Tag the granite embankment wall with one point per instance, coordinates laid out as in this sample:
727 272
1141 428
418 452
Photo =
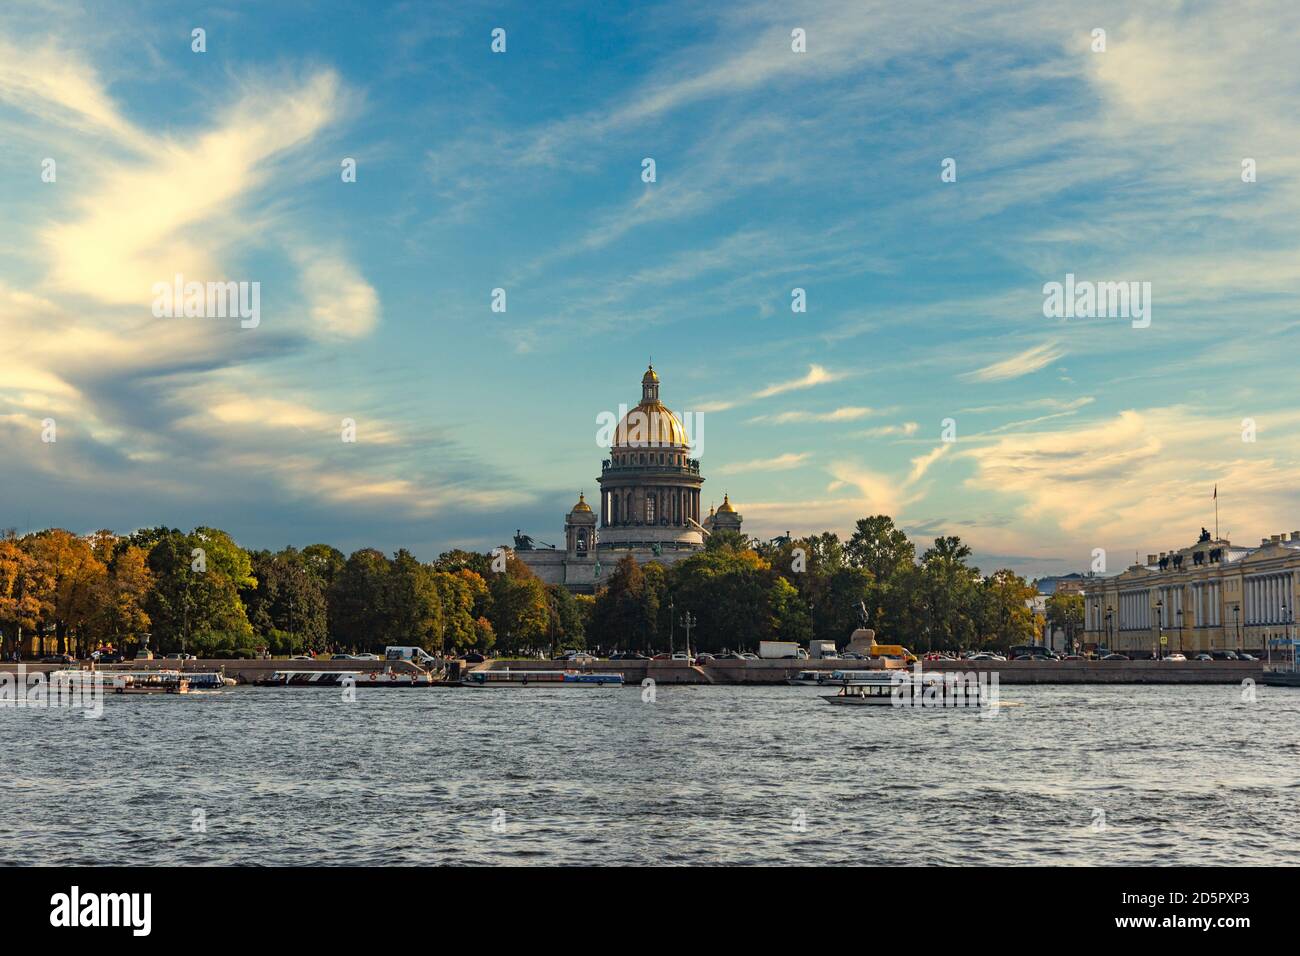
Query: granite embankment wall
1009 672
770 672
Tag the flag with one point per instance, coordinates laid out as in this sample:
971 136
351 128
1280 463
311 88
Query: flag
1216 491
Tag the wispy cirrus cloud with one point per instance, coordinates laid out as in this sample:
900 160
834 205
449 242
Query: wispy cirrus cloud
846 414
1030 360
816 375
779 463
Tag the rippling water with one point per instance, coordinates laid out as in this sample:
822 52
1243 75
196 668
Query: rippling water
702 775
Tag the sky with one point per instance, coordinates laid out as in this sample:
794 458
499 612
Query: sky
924 380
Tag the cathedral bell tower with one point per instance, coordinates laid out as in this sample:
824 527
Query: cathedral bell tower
580 529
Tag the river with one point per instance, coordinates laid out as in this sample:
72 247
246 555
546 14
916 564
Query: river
726 775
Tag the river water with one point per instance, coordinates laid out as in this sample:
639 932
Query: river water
699 775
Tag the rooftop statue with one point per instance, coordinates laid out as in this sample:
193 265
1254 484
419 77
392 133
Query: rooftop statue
1205 536
523 542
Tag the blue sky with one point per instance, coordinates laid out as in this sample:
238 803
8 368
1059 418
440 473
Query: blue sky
775 170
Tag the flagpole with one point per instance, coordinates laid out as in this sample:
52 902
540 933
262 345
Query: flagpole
1216 512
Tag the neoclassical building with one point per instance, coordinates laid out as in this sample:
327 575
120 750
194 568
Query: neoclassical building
1212 595
648 503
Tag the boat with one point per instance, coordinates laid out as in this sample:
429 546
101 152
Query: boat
386 678
126 685
144 682
807 679
895 688
1285 670
512 678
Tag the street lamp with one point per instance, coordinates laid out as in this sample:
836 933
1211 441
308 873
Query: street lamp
1236 621
688 621
1160 623
1180 630
1288 631
1110 641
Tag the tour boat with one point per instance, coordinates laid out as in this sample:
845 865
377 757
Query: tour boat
346 679
144 682
509 678
909 689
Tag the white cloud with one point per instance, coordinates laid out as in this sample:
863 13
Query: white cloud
779 463
846 414
817 375
1023 363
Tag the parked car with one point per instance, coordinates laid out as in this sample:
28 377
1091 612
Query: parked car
627 656
749 657
1074 657
1176 657
1243 656
58 659
111 657
574 657
178 657
1116 657
472 657
1224 656
1204 657
367 657
680 656
343 657
701 658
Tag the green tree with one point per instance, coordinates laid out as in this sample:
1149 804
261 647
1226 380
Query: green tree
519 610
948 586
1065 612
879 547
1006 610
625 616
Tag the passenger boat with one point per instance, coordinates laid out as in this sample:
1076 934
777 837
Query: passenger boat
509 678
895 688
385 678
127 685
144 682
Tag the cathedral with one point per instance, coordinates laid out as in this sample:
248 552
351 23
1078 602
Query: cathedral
648 505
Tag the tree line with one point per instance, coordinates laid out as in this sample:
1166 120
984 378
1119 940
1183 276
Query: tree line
201 593
739 591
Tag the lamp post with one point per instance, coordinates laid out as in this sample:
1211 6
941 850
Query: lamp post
1288 634
1160 622
1180 630
1110 613
1236 621
688 621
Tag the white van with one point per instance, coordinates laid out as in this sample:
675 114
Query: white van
416 655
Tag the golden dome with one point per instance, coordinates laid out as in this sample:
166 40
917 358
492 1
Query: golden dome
726 505
651 425
582 503
650 376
